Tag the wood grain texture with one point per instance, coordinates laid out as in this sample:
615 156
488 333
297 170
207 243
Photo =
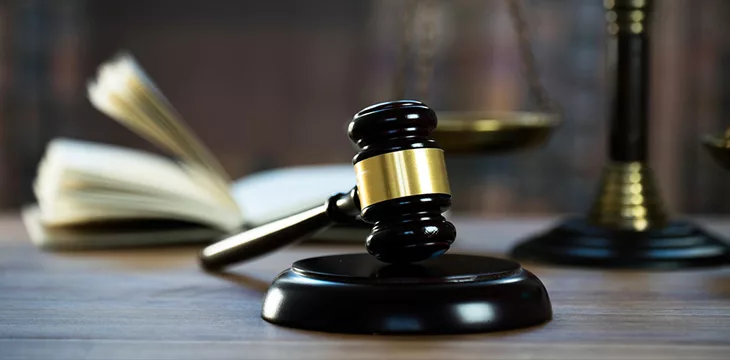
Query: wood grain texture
156 304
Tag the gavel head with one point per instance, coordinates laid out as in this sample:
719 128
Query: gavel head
402 183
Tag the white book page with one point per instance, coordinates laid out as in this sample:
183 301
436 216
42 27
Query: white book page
78 179
270 195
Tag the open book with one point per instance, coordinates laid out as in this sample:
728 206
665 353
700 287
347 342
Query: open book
92 195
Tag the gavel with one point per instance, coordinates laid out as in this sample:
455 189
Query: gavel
402 189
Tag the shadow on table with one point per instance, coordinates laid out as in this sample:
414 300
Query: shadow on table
242 280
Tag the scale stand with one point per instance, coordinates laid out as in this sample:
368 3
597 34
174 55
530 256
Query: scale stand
627 226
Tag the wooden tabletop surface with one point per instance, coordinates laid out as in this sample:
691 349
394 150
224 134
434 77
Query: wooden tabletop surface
157 304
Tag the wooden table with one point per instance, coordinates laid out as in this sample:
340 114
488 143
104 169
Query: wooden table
156 304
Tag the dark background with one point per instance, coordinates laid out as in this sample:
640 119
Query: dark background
273 83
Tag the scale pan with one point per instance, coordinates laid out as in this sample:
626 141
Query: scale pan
493 132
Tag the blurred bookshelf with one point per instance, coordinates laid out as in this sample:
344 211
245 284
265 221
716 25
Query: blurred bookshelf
273 83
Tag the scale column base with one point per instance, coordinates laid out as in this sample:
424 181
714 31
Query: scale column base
580 243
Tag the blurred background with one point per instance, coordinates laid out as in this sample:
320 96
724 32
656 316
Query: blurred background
273 83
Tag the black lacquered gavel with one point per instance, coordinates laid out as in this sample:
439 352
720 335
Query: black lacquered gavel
402 190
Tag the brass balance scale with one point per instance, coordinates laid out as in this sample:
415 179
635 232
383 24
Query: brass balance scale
627 226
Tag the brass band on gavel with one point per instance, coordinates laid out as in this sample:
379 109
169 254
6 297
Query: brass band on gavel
401 173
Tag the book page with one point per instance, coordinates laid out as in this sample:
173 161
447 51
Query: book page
108 235
124 92
81 181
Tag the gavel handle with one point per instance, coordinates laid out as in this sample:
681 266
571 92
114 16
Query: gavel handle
339 208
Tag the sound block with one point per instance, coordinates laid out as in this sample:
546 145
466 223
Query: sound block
577 242
450 294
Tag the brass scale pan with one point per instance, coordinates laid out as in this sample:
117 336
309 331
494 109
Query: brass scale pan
493 132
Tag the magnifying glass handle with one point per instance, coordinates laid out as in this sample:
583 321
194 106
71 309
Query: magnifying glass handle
340 208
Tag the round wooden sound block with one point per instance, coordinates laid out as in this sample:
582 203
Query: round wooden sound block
450 294
577 242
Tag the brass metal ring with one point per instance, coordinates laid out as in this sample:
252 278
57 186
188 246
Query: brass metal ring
401 173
